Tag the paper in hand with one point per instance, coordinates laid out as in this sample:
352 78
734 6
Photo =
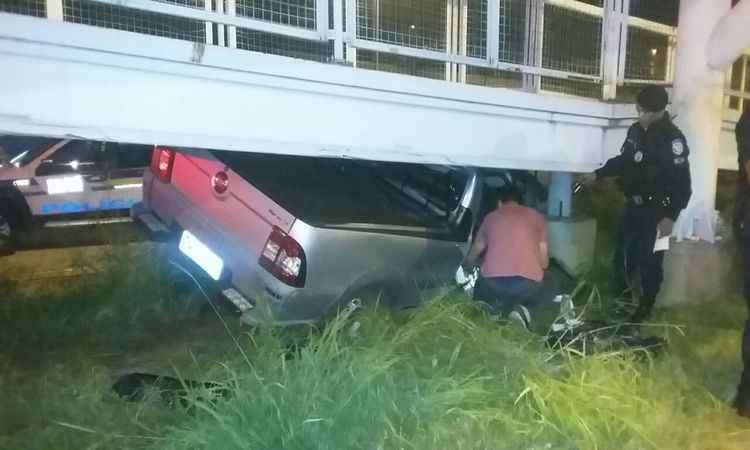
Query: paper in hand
662 242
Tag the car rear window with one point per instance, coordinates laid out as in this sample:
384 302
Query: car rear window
328 191
21 150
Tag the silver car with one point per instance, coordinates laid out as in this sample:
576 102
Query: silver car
291 239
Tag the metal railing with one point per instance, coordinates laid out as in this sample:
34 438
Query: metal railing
737 87
563 46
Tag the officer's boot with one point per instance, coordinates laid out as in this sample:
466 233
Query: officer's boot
742 401
644 310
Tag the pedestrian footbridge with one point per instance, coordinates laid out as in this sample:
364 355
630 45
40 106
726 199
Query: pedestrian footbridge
530 84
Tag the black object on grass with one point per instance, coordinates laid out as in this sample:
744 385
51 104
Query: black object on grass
133 387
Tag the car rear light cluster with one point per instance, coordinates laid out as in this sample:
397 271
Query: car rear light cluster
284 258
162 160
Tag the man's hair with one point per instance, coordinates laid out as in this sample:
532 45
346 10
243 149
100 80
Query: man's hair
509 193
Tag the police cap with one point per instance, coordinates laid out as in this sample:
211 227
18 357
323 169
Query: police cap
653 98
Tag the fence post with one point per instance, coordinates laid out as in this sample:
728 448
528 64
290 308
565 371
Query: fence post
614 45
322 18
351 31
463 38
55 10
338 30
493 31
231 30
534 43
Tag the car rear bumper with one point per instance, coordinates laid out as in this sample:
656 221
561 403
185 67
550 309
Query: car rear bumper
261 299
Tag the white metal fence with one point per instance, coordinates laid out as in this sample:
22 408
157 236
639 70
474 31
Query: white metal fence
738 85
593 48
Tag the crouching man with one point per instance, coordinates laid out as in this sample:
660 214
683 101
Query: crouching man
511 245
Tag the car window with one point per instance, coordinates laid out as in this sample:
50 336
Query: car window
326 191
21 150
132 156
84 157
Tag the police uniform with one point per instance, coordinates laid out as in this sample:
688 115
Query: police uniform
654 172
742 229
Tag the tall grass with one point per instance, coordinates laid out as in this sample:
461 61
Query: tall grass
443 377
448 378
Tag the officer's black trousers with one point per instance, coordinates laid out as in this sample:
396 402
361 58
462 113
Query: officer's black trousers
635 253
745 381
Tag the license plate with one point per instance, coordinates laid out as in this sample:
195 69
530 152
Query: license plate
199 252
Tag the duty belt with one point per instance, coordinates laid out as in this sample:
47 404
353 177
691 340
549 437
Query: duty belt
639 200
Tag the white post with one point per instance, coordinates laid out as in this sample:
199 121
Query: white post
209 25
463 38
560 197
698 95
493 31
55 10
614 30
451 31
321 18
232 30
220 28
351 31
534 43
338 30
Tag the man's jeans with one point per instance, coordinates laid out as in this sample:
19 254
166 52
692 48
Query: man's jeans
503 294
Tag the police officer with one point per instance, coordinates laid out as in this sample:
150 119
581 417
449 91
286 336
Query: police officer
742 230
654 173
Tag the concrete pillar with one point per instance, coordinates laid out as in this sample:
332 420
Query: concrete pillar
710 37
697 102
560 194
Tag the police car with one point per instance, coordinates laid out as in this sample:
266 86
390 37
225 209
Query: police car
65 181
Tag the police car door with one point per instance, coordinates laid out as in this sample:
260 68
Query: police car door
126 173
73 180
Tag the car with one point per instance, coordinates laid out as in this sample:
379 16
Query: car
65 181
293 239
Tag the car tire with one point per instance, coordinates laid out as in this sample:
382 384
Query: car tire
7 232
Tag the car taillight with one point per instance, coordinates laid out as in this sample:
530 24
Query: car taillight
220 182
284 258
162 160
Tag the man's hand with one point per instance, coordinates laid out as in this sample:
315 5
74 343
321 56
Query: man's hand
665 227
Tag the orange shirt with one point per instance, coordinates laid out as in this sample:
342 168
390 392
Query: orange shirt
513 234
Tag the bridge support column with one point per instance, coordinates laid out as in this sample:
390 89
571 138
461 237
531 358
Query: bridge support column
710 37
572 239
697 102
560 194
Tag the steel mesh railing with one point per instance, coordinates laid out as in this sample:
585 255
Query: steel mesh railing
415 23
547 45
295 13
37 8
572 41
647 55
90 12
275 44
738 85
387 62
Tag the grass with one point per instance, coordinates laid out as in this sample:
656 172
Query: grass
444 377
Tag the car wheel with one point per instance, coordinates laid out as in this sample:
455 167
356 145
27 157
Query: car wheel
6 233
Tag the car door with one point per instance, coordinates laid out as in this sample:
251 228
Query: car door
72 180
126 173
